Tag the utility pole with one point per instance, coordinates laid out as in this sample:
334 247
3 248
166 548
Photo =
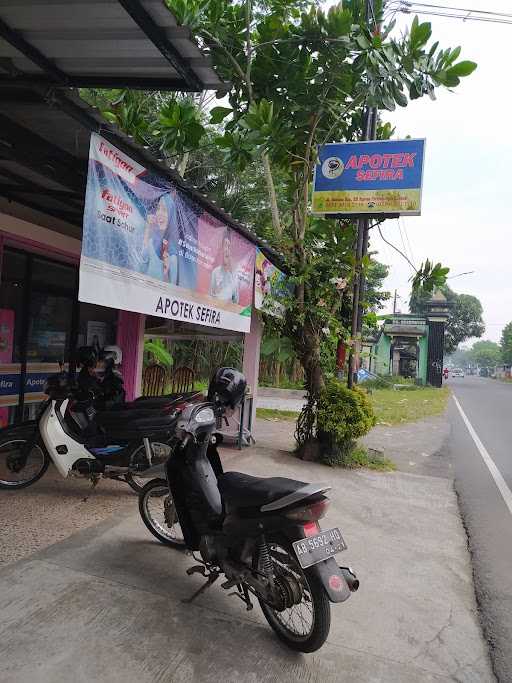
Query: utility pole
363 230
394 304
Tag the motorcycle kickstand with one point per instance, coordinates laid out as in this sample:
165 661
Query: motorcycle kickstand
212 577
246 597
95 480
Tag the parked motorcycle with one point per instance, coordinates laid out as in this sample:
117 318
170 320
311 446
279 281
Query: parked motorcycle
262 534
117 444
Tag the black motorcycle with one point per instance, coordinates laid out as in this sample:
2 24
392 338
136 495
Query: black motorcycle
262 534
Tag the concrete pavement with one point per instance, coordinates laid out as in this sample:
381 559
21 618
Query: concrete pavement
105 604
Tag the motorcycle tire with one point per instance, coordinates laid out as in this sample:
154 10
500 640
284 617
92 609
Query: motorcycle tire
135 482
156 517
314 595
18 443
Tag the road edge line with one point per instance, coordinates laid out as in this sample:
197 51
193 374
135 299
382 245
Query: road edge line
501 484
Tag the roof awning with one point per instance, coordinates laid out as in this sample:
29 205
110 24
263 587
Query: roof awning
44 149
100 43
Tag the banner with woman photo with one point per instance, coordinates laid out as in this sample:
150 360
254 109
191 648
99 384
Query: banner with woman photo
148 247
271 288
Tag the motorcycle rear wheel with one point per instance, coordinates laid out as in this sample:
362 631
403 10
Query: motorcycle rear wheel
158 513
304 627
14 476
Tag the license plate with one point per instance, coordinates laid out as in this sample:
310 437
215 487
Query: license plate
318 548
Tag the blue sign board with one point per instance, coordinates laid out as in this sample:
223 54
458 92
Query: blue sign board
374 177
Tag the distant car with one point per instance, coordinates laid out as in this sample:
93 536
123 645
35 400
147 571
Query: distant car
457 372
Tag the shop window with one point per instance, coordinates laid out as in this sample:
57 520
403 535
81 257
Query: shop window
97 326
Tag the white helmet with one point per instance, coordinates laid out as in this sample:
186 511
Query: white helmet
113 352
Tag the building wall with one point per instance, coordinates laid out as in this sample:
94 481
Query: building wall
29 237
423 359
381 358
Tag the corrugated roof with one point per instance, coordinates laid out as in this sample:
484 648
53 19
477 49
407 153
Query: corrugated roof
100 43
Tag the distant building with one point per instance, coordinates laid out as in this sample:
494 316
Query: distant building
400 348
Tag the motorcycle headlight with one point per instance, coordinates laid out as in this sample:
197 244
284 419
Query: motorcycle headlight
204 416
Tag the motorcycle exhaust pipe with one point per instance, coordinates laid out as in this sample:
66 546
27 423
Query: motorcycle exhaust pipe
350 578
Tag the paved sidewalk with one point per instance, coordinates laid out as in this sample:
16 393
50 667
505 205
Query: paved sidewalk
106 604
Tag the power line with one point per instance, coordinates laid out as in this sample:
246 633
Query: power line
449 12
460 9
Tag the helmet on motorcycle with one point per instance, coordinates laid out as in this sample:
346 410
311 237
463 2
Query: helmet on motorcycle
113 353
87 357
228 387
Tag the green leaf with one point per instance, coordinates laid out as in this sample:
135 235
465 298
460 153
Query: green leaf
218 114
109 116
462 69
453 56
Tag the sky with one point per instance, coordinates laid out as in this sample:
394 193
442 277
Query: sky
466 216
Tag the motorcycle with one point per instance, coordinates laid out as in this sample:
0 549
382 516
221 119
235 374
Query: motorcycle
68 431
262 534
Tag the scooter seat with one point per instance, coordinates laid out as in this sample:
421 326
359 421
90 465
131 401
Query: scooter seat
134 424
243 491
116 417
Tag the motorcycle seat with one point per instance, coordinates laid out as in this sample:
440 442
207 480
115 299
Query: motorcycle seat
116 417
132 424
243 490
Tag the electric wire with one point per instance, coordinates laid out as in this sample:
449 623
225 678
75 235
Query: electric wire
450 12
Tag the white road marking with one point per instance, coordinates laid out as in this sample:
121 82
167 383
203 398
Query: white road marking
506 493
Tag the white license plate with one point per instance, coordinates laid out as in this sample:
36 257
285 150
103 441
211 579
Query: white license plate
315 549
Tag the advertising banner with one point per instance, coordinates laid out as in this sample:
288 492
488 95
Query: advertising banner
147 247
270 286
374 177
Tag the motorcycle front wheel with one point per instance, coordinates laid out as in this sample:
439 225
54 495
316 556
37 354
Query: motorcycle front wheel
305 625
19 469
158 513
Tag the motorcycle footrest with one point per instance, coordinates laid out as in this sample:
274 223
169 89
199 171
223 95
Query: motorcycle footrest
197 569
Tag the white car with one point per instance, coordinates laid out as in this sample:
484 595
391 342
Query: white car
457 373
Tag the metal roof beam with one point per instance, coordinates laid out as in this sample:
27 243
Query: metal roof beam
35 189
73 218
108 34
17 41
131 82
19 144
157 35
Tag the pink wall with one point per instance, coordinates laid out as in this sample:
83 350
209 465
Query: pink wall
251 363
130 337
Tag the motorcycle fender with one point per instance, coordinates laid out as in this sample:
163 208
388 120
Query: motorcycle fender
332 579
328 572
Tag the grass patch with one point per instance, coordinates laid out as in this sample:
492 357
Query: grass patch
360 457
395 407
275 414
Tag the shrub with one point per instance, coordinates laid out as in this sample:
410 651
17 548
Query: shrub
343 416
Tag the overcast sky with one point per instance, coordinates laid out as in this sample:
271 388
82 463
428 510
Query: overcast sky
466 213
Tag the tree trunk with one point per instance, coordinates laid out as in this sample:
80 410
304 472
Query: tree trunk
277 373
276 222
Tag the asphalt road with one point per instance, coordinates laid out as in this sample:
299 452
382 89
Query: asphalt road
475 443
